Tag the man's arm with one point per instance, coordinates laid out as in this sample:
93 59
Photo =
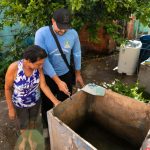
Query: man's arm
61 85
77 60
47 67
9 79
46 89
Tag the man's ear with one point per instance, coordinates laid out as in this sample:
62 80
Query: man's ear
53 21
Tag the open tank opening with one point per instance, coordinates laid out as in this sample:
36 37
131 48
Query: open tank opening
101 138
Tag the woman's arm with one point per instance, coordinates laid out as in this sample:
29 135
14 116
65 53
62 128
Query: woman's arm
9 79
46 89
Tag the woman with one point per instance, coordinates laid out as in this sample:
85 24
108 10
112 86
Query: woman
23 81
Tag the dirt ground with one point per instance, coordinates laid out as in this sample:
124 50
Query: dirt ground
96 69
102 69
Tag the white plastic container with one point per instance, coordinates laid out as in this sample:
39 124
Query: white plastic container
128 57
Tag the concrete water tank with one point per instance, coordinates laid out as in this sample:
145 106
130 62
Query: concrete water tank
125 117
129 56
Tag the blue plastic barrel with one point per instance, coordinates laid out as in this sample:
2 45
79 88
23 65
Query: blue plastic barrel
145 49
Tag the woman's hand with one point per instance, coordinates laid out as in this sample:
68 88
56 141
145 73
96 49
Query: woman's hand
12 114
57 102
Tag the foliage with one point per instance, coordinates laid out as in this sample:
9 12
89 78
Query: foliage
37 13
132 91
105 12
14 54
94 13
143 12
30 13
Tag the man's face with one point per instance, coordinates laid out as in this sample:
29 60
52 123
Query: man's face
57 30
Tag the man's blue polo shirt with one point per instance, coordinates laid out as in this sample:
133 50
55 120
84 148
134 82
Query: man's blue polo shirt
54 63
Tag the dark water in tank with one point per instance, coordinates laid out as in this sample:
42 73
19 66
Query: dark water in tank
101 138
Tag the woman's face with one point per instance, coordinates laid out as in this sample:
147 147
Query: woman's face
36 65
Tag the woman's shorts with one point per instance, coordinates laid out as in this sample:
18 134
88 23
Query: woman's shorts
27 115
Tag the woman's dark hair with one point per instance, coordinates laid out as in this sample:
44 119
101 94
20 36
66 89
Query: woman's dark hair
34 53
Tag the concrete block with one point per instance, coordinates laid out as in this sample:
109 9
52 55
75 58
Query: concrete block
144 77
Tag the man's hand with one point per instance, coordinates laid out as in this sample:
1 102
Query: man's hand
12 114
63 87
79 78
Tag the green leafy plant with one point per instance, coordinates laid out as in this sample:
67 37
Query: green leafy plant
30 15
13 54
37 13
92 12
96 13
133 91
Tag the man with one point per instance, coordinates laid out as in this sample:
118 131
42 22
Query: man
57 74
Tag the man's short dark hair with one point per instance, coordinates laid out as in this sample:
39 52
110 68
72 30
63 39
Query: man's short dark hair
34 53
